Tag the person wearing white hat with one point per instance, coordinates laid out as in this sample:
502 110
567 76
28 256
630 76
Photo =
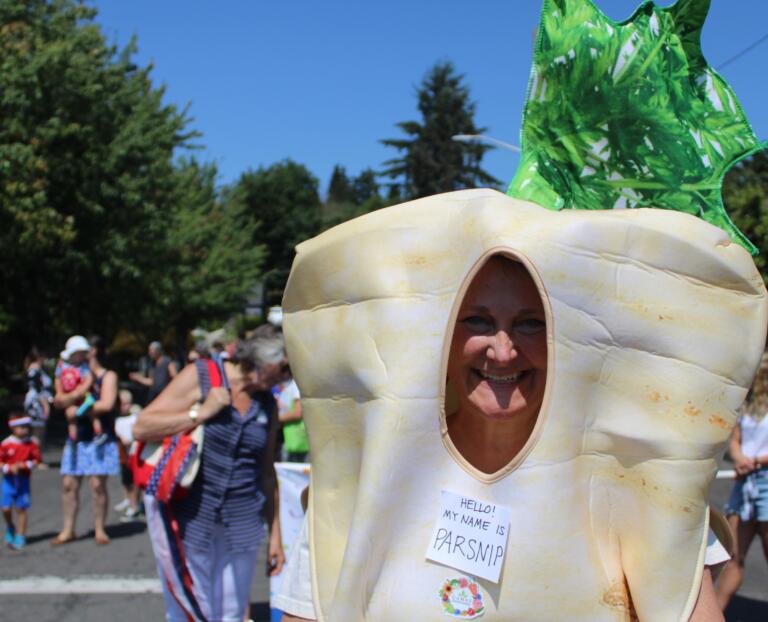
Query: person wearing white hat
73 380
92 450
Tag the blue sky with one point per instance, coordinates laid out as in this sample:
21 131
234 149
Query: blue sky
322 82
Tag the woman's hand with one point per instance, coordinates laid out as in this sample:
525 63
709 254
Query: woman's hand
275 554
744 465
168 414
218 398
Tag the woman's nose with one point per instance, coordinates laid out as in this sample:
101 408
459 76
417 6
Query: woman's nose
501 349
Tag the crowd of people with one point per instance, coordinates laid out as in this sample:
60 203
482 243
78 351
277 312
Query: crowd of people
244 398
231 507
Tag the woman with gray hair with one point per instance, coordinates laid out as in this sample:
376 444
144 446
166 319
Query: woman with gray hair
221 520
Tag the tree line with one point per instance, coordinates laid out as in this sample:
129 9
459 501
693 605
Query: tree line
106 229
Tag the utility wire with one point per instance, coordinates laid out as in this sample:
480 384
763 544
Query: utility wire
749 48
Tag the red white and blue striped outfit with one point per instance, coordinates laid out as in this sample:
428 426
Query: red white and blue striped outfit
220 521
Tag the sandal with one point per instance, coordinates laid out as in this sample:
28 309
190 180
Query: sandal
101 540
59 541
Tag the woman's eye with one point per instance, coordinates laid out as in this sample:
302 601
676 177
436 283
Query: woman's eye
477 324
530 326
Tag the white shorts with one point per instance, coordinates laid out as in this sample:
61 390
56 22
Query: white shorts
295 595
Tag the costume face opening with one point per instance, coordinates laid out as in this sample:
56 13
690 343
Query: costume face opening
497 364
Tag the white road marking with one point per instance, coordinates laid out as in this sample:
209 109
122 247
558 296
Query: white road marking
98 584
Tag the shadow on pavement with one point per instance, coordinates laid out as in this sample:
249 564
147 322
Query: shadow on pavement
120 530
744 609
48 535
124 530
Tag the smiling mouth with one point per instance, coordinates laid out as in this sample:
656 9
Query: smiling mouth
506 379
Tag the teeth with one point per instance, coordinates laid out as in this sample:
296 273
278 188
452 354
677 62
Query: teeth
509 378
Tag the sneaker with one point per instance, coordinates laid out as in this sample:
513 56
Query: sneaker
10 533
122 506
131 515
19 542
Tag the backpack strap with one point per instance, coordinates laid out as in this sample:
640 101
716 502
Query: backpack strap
216 373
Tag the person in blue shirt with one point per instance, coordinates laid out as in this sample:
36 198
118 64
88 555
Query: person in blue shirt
221 520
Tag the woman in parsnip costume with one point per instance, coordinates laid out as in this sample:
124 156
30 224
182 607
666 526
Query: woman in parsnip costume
654 323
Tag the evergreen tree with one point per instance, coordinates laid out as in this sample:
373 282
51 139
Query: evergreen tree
365 187
340 188
431 162
349 198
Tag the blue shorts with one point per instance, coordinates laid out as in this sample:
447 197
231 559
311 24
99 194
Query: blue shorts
749 497
15 491
87 458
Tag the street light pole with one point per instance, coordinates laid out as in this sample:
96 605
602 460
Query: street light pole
480 138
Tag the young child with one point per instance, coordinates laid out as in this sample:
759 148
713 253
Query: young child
130 505
73 373
38 397
19 454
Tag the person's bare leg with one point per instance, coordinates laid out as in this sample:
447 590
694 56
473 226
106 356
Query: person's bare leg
8 516
21 517
99 502
39 432
132 494
706 609
70 502
733 573
71 415
96 423
762 531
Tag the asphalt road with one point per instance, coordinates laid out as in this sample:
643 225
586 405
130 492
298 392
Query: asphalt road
66 580
126 564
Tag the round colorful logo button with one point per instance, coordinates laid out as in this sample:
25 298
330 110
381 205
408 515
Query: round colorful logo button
462 598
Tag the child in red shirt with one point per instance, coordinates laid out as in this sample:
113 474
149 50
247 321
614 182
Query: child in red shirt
19 454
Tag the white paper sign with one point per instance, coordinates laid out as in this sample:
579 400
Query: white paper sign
470 535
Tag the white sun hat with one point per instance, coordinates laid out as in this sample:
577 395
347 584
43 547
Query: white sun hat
76 343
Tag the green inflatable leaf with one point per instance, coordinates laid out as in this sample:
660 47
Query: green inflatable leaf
629 114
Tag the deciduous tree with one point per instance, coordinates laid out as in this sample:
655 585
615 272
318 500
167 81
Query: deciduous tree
101 229
745 194
284 200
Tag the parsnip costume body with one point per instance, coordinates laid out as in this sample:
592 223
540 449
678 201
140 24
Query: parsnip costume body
656 322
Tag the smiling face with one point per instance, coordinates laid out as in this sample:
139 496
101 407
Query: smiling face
497 363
